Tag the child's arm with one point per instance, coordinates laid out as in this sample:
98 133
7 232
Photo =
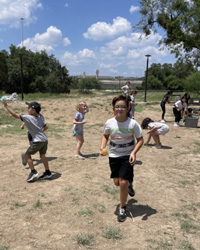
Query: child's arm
45 128
83 122
104 141
11 111
152 130
122 88
23 125
148 140
139 144
87 109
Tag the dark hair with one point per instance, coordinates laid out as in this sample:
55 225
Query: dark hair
145 122
134 92
183 97
187 98
190 110
169 92
122 98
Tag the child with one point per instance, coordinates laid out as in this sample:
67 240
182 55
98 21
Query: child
178 110
126 88
122 131
78 122
155 130
133 103
163 102
34 124
44 128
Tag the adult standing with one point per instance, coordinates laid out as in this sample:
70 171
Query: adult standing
126 88
163 102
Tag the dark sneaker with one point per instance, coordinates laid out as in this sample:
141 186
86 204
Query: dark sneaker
46 175
24 161
32 176
121 214
131 191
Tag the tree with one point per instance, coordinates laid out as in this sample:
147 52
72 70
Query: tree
192 83
86 84
153 83
180 20
172 82
3 71
41 72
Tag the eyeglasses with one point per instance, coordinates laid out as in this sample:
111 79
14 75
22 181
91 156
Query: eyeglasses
120 107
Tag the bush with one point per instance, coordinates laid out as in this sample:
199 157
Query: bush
87 84
192 83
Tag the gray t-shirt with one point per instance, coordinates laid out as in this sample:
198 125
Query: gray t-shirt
34 125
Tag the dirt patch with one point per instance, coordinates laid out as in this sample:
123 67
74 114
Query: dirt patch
76 209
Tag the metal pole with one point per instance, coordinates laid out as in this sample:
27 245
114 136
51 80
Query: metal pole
145 92
22 19
21 62
22 76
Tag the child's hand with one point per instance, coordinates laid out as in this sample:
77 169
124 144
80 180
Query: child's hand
132 159
5 104
84 121
22 126
103 152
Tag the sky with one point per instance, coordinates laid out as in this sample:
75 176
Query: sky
84 35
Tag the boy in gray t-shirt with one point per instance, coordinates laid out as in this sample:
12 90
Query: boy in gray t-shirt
36 127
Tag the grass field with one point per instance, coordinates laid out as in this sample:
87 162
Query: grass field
76 209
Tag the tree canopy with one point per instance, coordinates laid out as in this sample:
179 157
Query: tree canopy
41 72
168 76
180 21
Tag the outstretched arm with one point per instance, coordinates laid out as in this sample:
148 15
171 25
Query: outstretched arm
11 111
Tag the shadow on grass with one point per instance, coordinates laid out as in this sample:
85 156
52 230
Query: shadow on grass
55 175
39 161
134 210
163 147
93 156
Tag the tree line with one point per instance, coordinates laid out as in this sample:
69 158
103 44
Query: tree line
41 72
169 76
44 73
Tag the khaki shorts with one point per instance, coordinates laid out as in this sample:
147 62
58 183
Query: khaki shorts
37 147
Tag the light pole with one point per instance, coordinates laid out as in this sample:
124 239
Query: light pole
145 93
22 19
21 61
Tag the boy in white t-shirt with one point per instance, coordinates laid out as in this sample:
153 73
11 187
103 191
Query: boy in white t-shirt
122 132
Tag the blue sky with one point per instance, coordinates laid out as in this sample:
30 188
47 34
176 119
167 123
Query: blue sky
83 35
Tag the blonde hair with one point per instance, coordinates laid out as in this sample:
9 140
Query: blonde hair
79 105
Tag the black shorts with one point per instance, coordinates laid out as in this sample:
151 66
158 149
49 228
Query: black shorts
121 168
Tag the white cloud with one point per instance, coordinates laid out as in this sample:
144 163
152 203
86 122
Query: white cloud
81 58
86 53
12 10
133 9
125 54
66 41
47 40
102 30
66 5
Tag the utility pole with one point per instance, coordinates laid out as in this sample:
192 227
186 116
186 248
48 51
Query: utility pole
145 92
21 61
